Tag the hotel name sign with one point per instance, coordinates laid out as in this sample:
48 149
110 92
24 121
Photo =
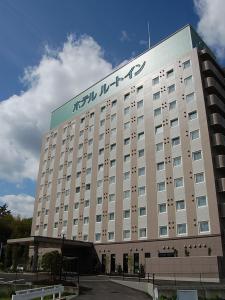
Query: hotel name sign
105 87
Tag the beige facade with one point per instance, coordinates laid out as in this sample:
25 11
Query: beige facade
142 170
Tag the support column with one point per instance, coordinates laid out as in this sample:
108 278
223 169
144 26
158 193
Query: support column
35 258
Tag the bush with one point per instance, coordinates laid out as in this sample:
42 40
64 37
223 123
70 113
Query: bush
51 262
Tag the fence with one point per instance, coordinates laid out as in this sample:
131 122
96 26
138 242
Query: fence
39 292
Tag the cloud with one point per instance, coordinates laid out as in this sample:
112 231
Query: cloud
14 204
124 37
211 25
60 75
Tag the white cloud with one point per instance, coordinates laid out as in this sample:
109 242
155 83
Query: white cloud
211 25
21 204
124 37
60 75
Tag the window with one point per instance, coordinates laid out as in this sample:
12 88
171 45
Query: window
126 194
81 133
113 131
112 147
176 141
114 103
102 122
77 189
113 117
101 151
126 110
162 208
196 155
85 237
139 88
190 97
88 171
157 111
46 211
169 73
126 175
82 120
86 203
141 171
99 183
140 104
97 237
174 122
86 220
163 231
199 177
100 167
140 120
57 209
76 205
110 235
112 197
201 201
178 182
141 153
156 96
142 211
66 208
92 115
101 136
161 186
112 163
126 157
172 104
88 187
80 146
99 200
177 161
159 147
98 218
91 128
75 221
203 226
160 166
194 134
181 229
141 190
171 88
126 234
126 125
111 216
127 141
64 223
68 177
142 232
192 115
126 214
102 109
126 96
112 179
180 205
188 81
141 135
74 237
155 80
186 64
158 129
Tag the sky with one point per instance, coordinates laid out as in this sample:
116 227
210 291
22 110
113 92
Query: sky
51 50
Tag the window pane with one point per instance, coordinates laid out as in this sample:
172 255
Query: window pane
175 141
199 177
171 88
157 112
163 230
177 161
194 134
180 204
190 97
203 226
186 64
160 166
155 80
193 115
158 129
162 208
201 201
159 147
172 105
156 96
181 228
197 155
178 182
161 186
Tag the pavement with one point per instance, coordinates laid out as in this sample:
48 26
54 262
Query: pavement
101 288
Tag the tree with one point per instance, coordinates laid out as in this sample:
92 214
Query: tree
51 262
4 211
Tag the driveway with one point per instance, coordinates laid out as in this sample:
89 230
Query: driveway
100 288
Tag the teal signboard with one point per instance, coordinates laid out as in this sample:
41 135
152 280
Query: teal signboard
158 56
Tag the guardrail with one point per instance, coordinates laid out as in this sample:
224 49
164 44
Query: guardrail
39 292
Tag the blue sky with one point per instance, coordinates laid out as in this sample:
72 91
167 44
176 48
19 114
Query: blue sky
36 53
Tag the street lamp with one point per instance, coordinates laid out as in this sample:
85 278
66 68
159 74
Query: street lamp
63 233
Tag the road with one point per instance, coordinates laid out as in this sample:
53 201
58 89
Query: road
100 288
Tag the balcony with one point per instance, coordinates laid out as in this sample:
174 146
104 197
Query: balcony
218 140
209 69
215 102
217 121
213 86
221 185
220 161
222 209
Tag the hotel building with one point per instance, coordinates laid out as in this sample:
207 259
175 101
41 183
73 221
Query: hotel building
135 164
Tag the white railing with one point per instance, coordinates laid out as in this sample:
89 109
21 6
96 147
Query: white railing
39 292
